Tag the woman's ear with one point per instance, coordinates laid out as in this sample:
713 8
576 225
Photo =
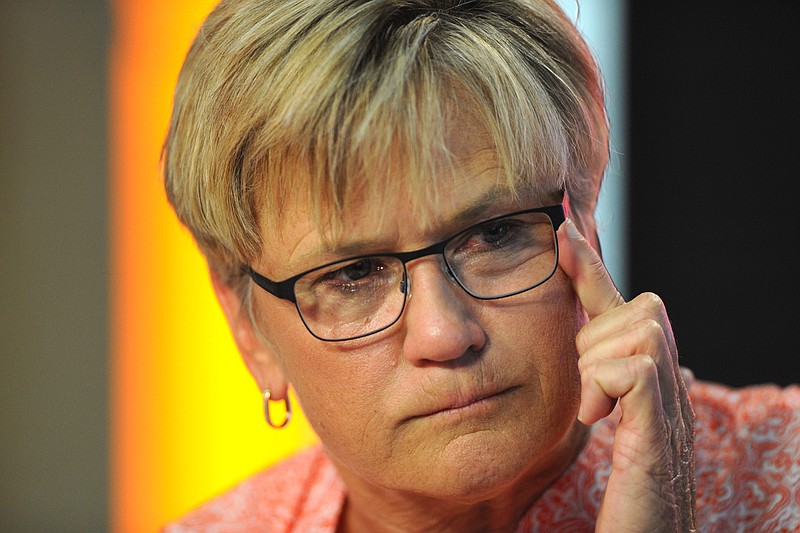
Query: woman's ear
258 356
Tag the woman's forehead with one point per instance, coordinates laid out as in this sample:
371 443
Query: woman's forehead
395 204
475 192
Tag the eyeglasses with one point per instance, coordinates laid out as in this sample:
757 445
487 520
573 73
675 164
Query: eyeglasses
360 296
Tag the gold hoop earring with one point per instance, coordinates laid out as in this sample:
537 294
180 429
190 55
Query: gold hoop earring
267 395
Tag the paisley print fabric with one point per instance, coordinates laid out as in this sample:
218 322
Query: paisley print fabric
747 454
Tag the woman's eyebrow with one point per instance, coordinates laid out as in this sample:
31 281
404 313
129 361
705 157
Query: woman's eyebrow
329 253
465 217
475 211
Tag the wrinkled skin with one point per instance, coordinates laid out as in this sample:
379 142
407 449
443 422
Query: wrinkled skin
628 357
459 416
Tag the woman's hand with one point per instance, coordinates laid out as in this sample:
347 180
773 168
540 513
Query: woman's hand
628 360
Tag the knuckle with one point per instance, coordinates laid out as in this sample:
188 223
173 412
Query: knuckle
647 362
649 305
596 270
649 332
587 367
653 299
650 326
583 340
645 366
650 302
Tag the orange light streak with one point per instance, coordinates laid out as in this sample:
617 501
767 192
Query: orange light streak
186 415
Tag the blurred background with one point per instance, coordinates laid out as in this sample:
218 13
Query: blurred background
122 401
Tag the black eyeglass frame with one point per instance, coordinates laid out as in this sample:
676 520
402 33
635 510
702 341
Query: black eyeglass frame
285 289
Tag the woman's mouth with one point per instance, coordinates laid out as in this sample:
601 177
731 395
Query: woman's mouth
476 403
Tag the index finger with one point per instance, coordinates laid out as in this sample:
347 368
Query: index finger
590 279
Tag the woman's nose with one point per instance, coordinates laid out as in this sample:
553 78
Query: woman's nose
438 323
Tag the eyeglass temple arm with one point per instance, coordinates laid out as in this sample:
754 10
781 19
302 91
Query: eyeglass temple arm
557 215
284 289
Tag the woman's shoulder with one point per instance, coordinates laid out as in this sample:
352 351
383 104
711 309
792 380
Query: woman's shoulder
747 445
747 425
301 493
730 399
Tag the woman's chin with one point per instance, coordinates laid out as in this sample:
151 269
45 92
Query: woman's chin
481 465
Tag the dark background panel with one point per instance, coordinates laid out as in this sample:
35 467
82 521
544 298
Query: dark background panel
715 112
53 266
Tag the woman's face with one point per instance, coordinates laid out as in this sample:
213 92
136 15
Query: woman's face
460 397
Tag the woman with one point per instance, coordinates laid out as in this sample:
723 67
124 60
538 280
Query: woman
391 196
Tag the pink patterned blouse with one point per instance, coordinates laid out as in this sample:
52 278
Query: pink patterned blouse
747 453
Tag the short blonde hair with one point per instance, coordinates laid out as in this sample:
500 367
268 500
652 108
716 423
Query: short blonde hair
335 87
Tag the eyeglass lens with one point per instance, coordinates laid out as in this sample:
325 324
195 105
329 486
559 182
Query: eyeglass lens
357 297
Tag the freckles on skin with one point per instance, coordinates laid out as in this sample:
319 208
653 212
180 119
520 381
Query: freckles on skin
358 395
548 336
537 353
350 392
347 397
567 327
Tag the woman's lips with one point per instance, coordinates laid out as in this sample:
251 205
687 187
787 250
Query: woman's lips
463 404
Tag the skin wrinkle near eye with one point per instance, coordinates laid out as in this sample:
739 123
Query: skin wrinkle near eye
349 321
377 382
491 202
479 162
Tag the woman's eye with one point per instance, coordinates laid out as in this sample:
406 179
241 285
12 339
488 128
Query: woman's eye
494 233
356 271
491 236
350 278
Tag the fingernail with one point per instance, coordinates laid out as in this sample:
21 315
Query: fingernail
572 230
